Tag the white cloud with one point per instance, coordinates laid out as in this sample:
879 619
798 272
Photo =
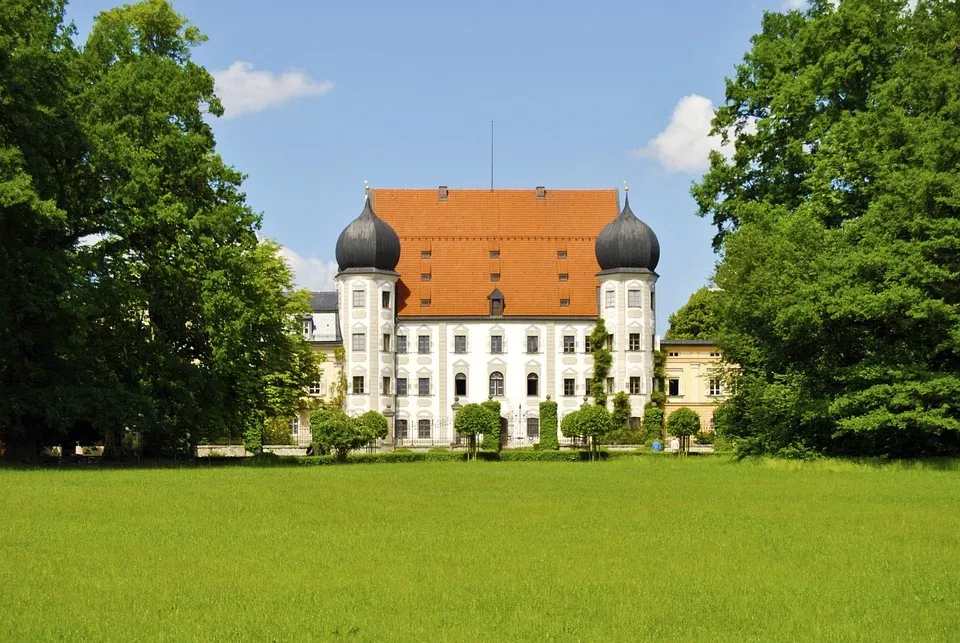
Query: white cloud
684 146
242 89
686 143
310 272
789 5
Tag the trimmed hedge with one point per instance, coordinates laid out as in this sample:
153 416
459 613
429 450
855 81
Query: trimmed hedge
548 426
491 440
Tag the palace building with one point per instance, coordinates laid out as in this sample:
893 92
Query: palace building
446 297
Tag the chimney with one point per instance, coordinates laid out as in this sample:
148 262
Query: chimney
541 192
442 193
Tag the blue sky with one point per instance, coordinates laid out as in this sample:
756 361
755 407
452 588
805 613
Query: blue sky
323 95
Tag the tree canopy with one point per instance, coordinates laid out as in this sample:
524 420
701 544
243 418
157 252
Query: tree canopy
696 319
838 231
134 290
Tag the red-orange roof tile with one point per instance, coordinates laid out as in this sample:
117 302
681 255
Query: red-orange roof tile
460 232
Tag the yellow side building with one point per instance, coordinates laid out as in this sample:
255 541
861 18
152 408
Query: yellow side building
692 374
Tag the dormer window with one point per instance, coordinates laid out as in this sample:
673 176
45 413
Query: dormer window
496 303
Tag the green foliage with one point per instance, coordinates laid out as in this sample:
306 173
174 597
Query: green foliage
277 431
704 437
602 359
659 375
683 423
653 422
570 426
658 398
339 398
696 319
548 426
838 221
491 438
593 420
333 429
475 419
126 231
620 416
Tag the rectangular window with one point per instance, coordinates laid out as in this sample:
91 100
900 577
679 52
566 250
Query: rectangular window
634 344
401 343
714 354
494 254
494 276
459 343
424 254
386 342
424 303
496 307
673 386
358 299
386 386
424 276
564 303
401 431
673 354
533 343
569 344
611 344
386 298
533 428
635 386
423 429
423 386
569 386
496 343
358 384
715 387
588 381
610 386
611 299
307 328
401 386
359 342
587 346
561 254
564 276
423 344
634 299
316 388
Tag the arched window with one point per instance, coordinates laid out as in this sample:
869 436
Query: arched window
496 384
533 383
460 384
295 425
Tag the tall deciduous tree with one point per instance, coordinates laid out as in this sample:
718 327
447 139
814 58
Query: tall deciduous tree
838 220
144 298
696 319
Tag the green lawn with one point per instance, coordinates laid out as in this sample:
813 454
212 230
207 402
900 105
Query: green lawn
644 548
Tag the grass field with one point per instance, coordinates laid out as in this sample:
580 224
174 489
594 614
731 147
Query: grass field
645 548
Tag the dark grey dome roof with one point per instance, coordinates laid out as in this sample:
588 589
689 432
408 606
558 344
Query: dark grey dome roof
627 242
368 242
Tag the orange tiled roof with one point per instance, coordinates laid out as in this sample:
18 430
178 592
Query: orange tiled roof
461 231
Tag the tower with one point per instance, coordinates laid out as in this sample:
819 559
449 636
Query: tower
628 252
367 252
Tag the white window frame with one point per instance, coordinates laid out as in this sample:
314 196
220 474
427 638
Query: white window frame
610 299
634 298
359 298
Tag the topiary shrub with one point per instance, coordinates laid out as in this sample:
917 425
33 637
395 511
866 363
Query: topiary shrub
491 438
653 422
593 421
683 423
548 426
474 419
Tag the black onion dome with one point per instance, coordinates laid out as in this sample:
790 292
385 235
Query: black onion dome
368 242
627 242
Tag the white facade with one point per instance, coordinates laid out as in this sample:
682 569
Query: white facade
537 358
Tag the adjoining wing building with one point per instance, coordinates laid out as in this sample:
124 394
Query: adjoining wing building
446 297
